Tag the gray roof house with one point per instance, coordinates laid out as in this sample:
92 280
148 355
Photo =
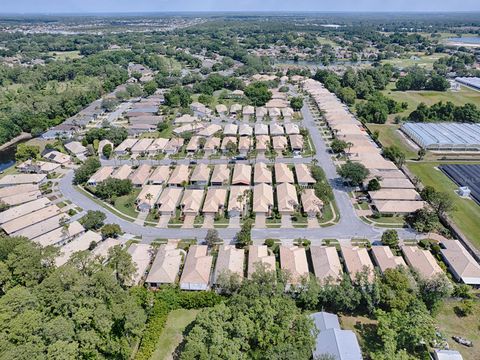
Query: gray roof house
331 340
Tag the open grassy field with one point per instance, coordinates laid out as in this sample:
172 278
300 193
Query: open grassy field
450 325
64 55
413 98
388 135
126 204
413 59
172 334
467 211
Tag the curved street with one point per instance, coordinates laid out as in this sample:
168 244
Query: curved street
349 226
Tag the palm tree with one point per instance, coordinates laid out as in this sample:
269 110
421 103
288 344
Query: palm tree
149 197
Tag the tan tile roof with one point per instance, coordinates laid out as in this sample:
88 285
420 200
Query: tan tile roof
261 129
230 129
283 173
196 272
60 234
292 129
262 142
296 141
24 209
221 174
228 139
310 202
279 142
326 263
262 198
245 130
421 260
141 145
294 260
153 190
192 201
385 259
238 193
201 173
30 219
303 174
20 179
276 129
210 130
101 174
141 174
356 259
286 197
258 254
166 266
169 199
214 200
160 174
141 256
229 260
122 173
179 175
212 143
261 173
126 144
241 174
79 244
157 145
461 262
397 206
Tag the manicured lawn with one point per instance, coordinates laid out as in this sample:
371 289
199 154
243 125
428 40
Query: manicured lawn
413 98
468 327
126 204
467 211
388 135
172 334
364 328
425 61
63 55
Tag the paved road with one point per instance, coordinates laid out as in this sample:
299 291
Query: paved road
349 226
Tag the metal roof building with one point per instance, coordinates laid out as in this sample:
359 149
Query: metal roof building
444 136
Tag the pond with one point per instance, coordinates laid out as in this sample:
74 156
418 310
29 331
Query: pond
7 157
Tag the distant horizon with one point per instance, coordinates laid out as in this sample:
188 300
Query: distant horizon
67 7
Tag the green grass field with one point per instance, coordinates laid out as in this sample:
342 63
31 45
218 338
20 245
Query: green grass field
413 59
126 204
64 55
413 98
468 327
389 135
172 334
467 211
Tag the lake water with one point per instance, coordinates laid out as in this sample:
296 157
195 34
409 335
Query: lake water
7 157
465 40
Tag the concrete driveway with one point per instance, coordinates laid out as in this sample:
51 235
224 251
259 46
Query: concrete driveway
312 223
260 220
188 221
163 221
286 221
234 222
208 221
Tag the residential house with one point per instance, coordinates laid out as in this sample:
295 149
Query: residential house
260 113
141 146
230 260
385 259
225 144
261 174
276 129
287 199
274 113
235 109
248 112
262 199
230 130
22 179
122 173
196 272
332 340
157 146
191 201
165 266
238 200
159 175
245 130
283 174
212 145
76 148
244 145
57 157
169 200
279 144
461 264
261 129
287 114
293 260
220 175
200 175
140 176
262 143
210 130
258 255
173 146
312 205
326 264
304 177
80 243
242 174
125 146
296 143
356 261
148 197
221 110
421 261
179 176
141 256
214 201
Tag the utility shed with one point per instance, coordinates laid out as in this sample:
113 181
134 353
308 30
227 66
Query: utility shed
230 260
165 267
196 272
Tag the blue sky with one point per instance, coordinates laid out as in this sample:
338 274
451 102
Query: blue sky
75 6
